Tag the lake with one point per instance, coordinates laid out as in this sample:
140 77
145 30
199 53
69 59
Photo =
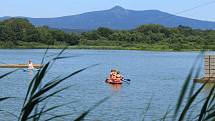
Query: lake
156 77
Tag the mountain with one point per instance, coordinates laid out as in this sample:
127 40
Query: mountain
5 17
120 18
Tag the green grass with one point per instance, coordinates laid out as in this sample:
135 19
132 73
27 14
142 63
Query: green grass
102 45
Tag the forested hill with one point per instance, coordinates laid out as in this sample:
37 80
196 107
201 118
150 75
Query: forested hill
119 18
20 33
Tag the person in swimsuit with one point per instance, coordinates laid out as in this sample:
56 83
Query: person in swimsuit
115 76
119 77
30 65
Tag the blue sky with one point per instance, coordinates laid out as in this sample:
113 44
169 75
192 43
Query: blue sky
56 8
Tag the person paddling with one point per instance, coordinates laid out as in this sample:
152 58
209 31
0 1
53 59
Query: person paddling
30 65
115 77
119 77
112 75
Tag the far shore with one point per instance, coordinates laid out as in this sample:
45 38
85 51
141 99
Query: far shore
101 48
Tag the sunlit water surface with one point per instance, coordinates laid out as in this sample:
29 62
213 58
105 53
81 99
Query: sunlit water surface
156 77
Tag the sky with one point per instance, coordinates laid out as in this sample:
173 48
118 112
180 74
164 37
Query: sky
196 9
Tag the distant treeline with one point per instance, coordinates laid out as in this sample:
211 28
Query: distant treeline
18 32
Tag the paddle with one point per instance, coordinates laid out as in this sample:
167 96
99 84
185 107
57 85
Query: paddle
126 80
27 70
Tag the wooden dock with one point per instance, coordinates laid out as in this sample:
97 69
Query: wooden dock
209 70
19 65
205 79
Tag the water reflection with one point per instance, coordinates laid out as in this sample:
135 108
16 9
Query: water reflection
30 74
129 99
115 87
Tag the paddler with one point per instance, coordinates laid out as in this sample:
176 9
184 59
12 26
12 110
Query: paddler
112 75
119 77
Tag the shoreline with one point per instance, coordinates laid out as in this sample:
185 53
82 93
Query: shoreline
103 48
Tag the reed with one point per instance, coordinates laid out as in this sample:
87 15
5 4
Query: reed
37 96
207 110
188 96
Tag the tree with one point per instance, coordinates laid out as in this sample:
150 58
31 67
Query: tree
93 35
45 36
104 32
154 28
19 26
6 34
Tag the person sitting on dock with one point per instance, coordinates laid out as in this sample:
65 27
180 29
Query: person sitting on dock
30 65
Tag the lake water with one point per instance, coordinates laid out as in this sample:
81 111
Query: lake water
156 76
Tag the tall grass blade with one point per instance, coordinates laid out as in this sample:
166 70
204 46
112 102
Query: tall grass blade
64 57
83 115
43 110
36 100
194 85
61 52
43 59
183 91
186 85
39 79
28 109
4 75
196 76
166 114
5 98
37 117
211 101
190 101
58 116
210 116
76 72
29 89
52 94
147 108
204 107
10 113
37 97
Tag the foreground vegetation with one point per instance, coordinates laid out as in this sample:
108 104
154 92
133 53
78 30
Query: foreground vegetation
20 33
35 104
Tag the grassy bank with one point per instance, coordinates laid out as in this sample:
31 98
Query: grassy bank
143 47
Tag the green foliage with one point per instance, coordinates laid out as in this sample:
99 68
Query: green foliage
156 37
93 35
15 31
104 32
